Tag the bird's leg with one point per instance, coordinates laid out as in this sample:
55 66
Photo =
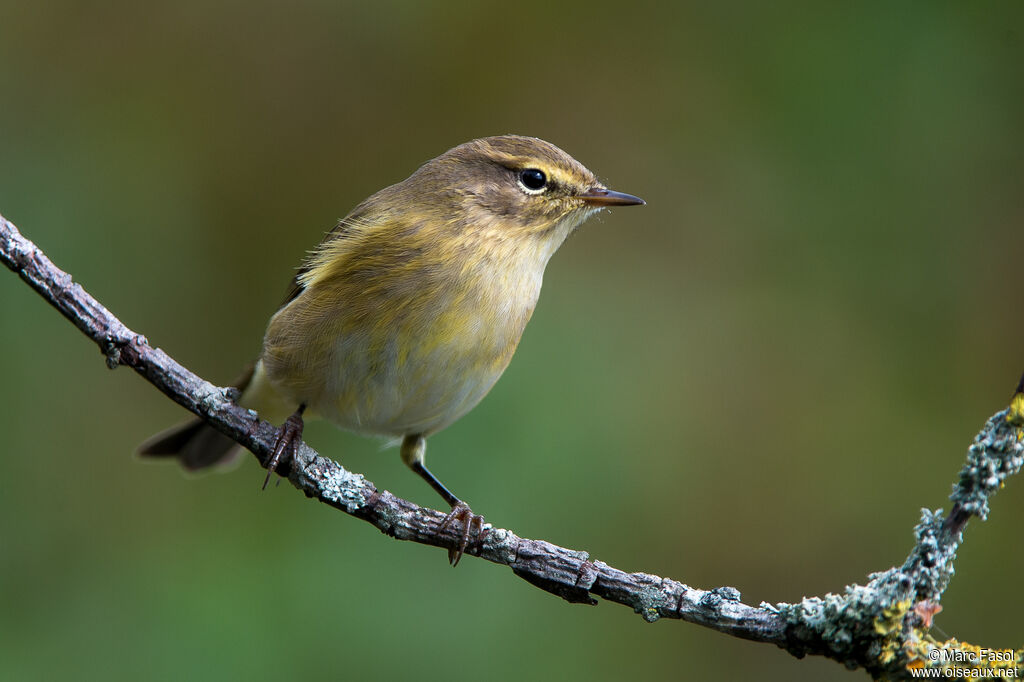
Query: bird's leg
414 450
288 438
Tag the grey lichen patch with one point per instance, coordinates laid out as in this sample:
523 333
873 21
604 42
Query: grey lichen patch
844 626
728 593
332 482
649 602
930 564
710 600
209 398
997 453
502 544
713 601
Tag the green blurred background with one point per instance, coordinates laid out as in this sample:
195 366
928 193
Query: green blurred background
757 380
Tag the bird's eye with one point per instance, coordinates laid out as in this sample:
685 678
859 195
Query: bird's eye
533 180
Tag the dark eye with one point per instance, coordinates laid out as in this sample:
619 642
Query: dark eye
532 179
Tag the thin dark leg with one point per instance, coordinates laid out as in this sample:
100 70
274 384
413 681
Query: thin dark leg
413 452
430 478
288 438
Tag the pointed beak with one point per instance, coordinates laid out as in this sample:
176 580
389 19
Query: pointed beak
599 196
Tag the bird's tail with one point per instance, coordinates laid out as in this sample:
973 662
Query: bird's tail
196 444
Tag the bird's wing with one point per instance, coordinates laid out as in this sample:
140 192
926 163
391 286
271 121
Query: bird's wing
340 231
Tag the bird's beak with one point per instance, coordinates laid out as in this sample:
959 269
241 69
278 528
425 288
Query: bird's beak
599 196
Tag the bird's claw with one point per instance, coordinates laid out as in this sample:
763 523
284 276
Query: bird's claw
472 524
288 438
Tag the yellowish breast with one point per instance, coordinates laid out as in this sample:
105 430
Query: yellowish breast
403 348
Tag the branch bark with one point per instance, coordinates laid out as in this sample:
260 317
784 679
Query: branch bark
881 626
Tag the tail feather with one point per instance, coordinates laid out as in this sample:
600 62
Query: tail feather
196 444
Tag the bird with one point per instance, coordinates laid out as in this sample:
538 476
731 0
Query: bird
410 309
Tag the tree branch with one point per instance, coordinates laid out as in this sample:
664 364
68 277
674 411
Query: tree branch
882 626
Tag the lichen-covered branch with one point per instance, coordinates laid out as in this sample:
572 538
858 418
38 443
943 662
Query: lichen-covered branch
881 626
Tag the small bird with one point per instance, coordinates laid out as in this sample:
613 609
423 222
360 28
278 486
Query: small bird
409 310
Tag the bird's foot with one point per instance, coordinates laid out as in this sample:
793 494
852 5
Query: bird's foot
288 438
472 524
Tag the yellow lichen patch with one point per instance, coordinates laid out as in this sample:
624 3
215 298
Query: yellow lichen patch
891 619
890 626
888 653
917 651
